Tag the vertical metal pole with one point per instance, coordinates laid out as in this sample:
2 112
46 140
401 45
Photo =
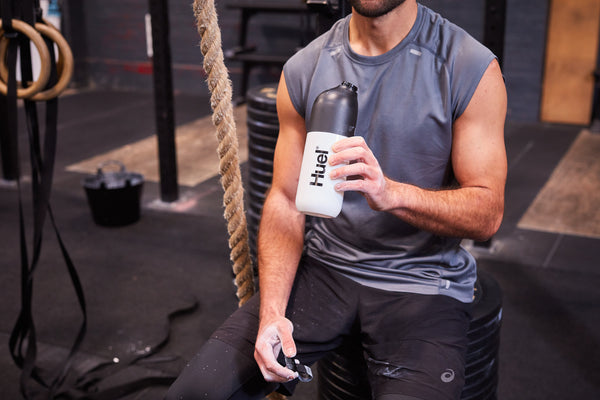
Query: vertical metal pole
163 100
9 152
73 28
8 144
494 26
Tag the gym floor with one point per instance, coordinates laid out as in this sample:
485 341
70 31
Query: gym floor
135 276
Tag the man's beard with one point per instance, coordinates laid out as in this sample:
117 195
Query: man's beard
375 10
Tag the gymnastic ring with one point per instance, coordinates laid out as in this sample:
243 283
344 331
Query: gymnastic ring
40 45
64 53
4 46
60 62
64 65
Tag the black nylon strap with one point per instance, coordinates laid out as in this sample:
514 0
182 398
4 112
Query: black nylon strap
87 385
6 8
23 340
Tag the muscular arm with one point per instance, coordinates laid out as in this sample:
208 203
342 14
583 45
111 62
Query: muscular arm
472 210
280 241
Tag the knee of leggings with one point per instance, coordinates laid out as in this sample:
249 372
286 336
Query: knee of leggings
219 372
251 391
176 392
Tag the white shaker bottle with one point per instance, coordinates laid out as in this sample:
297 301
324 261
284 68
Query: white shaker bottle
333 117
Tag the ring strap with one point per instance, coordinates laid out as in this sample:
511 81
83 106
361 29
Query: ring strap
23 340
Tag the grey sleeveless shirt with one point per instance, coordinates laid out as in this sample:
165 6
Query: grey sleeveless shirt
408 100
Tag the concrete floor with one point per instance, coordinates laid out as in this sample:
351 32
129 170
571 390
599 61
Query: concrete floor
134 276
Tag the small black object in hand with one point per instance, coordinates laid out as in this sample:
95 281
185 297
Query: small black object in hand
304 371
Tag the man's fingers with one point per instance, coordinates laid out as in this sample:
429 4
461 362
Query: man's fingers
287 341
353 141
269 343
271 370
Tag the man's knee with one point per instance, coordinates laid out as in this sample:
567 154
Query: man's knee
217 372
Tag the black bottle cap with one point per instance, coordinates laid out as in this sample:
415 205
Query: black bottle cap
350 86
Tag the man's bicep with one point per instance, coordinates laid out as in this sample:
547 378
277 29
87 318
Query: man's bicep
478 150
290 144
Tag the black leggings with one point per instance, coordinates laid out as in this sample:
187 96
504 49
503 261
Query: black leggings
223 373
410 341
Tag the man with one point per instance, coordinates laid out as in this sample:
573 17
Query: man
430 154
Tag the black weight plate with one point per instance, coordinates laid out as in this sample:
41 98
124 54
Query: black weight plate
478 363
261 139
490 347
258 114
263 163
261 151
486 324
257 189
262 128
486 303
258 186
256 196
258 164
260 175
263 97
256 209
483 373
482 390
477 343
345 376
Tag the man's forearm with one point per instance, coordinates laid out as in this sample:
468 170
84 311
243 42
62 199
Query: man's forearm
280 242
471 212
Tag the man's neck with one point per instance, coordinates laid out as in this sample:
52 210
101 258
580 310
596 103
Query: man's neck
376 36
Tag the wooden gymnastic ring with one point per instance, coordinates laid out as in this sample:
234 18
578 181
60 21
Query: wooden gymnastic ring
40 45
65 57
60 63
3 48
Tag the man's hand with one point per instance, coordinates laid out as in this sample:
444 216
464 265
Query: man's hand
273 335
371 181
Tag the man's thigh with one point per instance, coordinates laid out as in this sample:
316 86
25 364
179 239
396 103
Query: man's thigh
415 345
322 308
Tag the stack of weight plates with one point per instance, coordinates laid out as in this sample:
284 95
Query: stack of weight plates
263 128
342 374
481 380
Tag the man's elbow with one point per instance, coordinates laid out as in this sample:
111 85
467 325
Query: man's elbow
490 225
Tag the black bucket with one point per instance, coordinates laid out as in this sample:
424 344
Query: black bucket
114 197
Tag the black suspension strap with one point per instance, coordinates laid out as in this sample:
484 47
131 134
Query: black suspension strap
42 150
88 385
23 340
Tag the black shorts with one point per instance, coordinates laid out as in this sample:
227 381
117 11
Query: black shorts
414 344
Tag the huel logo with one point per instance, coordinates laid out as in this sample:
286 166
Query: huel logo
320 167
447 376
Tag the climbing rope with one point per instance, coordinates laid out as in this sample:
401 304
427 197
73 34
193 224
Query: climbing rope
229 168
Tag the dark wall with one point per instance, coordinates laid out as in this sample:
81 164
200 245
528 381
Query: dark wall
525 43
114 52
524 47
